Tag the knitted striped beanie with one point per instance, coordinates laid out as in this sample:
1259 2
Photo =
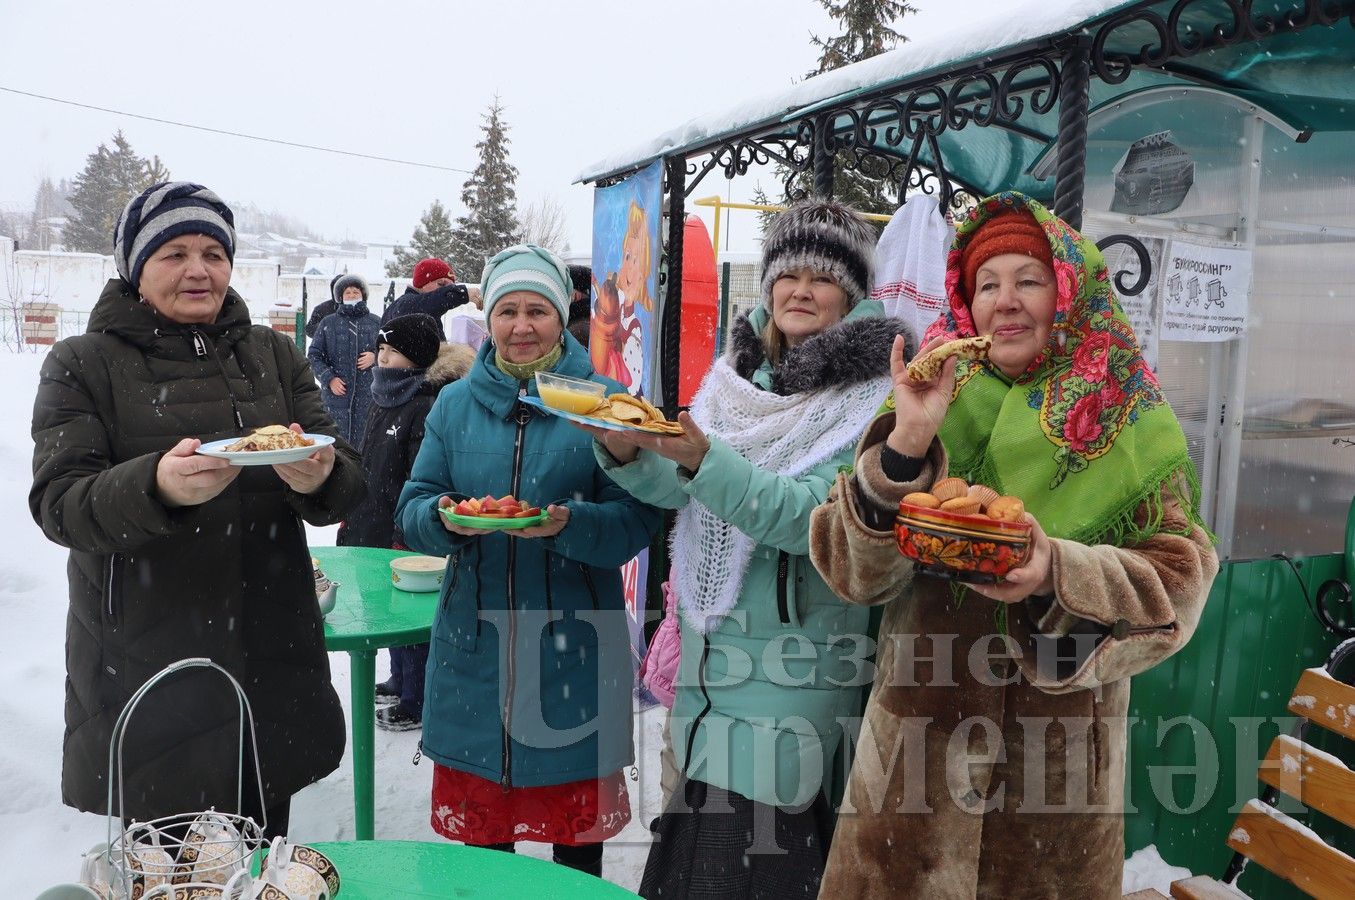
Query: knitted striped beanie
527 267
825 236
165 211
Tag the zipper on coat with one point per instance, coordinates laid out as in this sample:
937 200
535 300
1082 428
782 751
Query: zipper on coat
200 348
782 574
588 580
479 607
110 588
456 576
520 416
550 607
696 723
418 753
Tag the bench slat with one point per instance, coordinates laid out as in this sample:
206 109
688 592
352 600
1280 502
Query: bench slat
1312 777
1324 701
1290 850
1202 887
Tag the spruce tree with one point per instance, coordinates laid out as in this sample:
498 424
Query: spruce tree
867 30
110 179
490 197
47 203
433 237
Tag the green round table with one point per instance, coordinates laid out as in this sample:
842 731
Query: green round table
412 870
369 614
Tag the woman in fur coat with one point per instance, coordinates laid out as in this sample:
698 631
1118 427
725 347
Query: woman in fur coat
768 667
991 759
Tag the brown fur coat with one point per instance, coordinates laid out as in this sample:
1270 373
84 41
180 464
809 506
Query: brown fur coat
992 766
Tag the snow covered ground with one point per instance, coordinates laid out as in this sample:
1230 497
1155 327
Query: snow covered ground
41 841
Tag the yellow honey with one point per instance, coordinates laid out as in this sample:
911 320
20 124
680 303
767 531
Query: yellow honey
577 402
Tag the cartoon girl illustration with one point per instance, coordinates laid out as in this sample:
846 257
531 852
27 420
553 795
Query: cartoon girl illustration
616 342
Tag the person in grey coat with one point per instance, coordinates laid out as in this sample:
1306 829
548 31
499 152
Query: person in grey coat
343 355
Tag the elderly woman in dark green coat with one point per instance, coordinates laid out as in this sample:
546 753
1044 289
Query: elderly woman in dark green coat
175 554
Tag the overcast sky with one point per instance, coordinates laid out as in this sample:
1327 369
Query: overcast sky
578 80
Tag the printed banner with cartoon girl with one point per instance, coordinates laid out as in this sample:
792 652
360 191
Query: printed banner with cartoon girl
626 251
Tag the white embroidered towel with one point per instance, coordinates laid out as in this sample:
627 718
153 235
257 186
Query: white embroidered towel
910 263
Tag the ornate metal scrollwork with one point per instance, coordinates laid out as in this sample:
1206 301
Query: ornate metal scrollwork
795 154
1113 67
886 137
1145 263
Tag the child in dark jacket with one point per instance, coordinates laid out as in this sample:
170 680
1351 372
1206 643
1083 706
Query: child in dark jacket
412 366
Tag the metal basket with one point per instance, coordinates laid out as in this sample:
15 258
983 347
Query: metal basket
191 848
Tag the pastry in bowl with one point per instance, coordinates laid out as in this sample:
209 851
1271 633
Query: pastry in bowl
973 535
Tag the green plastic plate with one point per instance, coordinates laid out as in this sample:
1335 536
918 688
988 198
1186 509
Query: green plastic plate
485 523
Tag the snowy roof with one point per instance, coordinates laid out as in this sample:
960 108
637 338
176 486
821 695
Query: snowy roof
1017 23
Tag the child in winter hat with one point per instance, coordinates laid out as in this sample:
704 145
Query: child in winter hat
825 236
413 336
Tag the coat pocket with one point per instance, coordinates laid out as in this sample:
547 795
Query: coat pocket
458 620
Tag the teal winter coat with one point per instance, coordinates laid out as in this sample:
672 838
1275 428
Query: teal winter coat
761 699
531 632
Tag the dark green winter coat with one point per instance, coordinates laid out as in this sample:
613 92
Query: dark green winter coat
229 579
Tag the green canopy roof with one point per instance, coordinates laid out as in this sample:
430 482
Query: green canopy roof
1301 81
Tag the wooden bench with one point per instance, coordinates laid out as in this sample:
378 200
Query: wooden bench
1318 780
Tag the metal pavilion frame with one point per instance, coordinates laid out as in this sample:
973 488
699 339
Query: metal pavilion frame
891 132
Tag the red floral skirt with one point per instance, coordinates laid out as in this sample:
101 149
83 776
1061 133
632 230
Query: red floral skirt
474 810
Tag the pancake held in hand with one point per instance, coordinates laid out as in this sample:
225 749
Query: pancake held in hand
928 366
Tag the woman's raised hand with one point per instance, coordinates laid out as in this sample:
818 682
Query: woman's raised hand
183 478
919 406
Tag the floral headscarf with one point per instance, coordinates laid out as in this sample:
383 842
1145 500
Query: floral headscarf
1084 436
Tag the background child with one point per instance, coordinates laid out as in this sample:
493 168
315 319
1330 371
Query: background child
412 366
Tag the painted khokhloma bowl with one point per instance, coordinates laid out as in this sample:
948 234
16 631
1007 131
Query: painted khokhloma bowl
973 549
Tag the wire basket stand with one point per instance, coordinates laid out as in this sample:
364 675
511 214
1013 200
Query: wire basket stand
193 848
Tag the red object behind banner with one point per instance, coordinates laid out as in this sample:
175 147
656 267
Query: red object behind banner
700 308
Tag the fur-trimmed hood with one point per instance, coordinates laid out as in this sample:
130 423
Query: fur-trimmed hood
854 350
453 362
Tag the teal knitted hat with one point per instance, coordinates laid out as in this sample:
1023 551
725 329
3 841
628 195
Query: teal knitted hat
526 267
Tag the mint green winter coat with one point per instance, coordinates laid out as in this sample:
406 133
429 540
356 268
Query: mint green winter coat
762 698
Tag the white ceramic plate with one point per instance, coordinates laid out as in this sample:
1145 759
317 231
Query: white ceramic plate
263 457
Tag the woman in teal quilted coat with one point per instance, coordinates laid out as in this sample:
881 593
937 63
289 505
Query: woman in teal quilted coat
527 710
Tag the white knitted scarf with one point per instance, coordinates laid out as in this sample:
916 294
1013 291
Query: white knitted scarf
784 435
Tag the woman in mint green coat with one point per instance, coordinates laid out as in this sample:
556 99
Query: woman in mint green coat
772 663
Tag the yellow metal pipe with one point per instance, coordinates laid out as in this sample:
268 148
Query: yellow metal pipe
716 202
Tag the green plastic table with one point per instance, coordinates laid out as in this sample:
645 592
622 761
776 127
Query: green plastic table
369 614
412 870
